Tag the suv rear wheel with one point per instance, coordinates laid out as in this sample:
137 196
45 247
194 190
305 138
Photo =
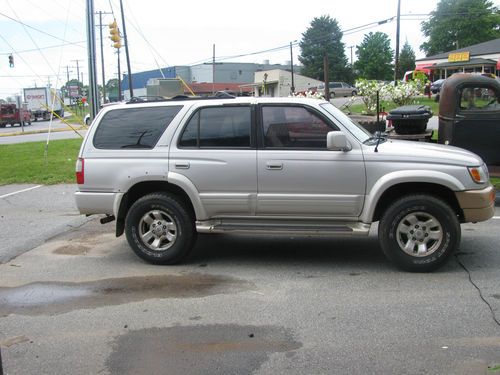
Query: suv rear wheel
419 232
160 229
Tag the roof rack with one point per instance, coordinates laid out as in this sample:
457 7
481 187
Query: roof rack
144 99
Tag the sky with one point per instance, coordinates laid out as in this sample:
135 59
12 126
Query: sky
48 38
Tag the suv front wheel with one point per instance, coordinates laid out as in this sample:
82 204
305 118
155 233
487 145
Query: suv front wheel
160 229
419 232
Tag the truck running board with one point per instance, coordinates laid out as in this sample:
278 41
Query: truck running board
319 228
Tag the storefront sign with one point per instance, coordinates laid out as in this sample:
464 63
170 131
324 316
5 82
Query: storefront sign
459 56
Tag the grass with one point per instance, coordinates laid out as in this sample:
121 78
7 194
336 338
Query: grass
27 163
495 181
388 106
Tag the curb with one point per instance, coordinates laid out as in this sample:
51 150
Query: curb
78 128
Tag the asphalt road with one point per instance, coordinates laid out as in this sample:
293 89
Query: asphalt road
82 303
38 131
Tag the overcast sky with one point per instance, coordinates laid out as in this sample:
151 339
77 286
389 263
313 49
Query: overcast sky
166 33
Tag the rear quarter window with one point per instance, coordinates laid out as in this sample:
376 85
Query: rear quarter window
134 128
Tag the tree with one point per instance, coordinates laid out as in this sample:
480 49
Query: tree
324 37
460 23
406 59
375 57
112 89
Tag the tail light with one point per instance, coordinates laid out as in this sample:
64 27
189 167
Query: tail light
80 171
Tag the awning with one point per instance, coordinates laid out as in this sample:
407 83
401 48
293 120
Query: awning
460 64
423 68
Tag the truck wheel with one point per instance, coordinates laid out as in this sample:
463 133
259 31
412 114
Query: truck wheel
160 229
419 232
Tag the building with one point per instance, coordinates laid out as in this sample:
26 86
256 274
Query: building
278 83
223 73
478 58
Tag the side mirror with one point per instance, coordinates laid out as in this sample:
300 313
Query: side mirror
337 141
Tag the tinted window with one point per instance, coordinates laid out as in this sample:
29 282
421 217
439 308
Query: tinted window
218 127
134 127
293 127
335 85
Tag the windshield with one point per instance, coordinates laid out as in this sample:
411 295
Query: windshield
352 126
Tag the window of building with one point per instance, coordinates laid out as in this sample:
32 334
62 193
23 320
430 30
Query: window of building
293 127
138 128
219 127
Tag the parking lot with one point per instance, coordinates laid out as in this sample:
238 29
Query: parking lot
75 299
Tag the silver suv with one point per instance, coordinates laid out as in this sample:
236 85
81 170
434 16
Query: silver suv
169 170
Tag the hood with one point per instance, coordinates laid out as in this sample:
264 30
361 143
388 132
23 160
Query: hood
412 151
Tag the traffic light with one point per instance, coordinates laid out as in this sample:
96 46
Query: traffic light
114 33
11 61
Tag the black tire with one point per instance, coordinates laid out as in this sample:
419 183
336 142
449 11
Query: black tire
354 93
404 223
332 95
166 243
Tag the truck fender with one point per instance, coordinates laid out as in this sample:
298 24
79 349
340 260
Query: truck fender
400 177
185 184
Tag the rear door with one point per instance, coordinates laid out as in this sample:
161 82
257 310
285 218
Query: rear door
297 175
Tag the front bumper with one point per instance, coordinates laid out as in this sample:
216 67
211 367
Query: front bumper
477 205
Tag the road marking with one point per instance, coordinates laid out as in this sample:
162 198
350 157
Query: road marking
496 217
20 191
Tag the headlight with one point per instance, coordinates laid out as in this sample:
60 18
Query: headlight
479 174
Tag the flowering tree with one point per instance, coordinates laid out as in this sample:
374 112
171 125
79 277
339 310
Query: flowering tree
367 89
308 94
405 92
402 94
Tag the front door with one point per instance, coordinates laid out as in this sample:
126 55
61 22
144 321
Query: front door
297 175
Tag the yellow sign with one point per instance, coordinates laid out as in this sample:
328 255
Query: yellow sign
459 56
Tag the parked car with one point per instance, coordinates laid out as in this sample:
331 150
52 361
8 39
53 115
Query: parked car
436 86
169 170
338 89
469 114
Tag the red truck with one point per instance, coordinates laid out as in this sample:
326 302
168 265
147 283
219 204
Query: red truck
11 114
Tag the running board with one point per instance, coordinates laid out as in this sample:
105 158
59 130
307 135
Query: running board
321 228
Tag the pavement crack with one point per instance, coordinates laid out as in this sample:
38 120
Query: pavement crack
493 315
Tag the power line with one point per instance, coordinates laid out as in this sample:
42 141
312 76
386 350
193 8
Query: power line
36 29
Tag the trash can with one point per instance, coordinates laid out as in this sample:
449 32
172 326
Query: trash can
410 119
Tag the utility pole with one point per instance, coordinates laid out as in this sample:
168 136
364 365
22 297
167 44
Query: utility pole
93 91
67 79
326 76
292 88
119 76
351 47
213 63
102 56
396 60
78 74
127 55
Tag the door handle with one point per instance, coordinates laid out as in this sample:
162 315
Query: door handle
274 166
182 165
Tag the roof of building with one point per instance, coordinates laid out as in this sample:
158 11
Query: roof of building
485 48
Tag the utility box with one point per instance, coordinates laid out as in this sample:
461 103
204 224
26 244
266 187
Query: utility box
166 87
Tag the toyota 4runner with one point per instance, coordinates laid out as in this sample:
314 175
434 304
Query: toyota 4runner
169 170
